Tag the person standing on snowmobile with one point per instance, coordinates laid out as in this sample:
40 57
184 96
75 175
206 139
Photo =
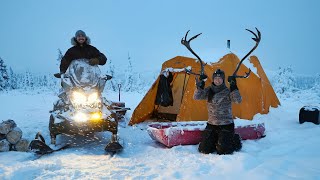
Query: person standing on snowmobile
81 50
219 133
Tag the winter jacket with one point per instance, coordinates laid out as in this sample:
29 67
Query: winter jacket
79 52
164 93
219 107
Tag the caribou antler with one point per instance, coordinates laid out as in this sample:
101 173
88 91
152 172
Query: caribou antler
186 43
257 39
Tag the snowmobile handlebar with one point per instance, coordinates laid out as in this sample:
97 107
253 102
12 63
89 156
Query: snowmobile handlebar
57 75
106 77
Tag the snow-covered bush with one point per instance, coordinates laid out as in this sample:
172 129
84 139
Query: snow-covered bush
284 80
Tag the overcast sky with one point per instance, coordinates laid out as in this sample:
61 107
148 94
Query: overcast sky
150 31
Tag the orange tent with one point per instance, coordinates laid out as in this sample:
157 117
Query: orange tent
256 91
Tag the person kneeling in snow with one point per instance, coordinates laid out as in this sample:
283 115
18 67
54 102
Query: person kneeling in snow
219 133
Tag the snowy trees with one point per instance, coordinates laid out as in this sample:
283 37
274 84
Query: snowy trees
123 75
129 76
4 77
25 80
284 80
12 79
60 56
111 72
128 79
317 84
28 80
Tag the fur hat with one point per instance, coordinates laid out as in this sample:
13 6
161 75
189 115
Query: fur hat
218 73
78 33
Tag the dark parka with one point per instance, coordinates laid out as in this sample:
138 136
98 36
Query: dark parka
86 51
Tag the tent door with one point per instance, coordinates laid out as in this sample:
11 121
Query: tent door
178 87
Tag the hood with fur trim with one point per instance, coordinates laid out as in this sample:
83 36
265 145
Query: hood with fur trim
74 41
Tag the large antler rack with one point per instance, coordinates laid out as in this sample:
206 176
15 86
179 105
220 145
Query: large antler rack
257 39
186 43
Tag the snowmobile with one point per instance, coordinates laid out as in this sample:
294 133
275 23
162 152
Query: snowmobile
81 109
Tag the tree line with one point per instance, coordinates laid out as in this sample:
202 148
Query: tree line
283 80
127 79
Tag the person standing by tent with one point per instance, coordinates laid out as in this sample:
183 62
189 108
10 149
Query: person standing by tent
81 50
219 133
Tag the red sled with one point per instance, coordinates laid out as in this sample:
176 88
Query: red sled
189 133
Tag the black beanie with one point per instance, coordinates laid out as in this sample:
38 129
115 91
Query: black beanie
218 73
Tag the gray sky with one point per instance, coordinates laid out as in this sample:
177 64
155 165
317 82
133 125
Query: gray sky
32 31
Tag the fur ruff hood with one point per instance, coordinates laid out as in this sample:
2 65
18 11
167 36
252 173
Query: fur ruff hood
74 41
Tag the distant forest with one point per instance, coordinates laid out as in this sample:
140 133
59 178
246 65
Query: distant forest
283 80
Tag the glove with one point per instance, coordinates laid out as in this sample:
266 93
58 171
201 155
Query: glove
57 75
93 61
233 83
200 84
202 77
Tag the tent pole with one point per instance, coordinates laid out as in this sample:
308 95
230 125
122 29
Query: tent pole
184 83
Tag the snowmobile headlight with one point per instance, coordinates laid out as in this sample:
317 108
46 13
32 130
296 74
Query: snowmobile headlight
93 98
80 117
78 98
96 116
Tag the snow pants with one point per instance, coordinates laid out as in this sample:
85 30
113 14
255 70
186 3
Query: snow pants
220 139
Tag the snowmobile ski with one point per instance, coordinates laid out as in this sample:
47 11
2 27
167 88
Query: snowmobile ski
40 148
113 147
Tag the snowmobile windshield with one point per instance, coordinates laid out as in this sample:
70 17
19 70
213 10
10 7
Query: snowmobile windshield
83 74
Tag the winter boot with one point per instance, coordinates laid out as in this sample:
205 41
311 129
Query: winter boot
237 145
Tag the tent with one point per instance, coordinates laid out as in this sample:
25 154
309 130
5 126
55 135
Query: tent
256 91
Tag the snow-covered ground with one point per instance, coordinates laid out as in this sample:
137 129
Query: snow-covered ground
289 151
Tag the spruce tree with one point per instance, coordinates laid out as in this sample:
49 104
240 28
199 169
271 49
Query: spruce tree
129 76
12 79
111 72
28 80
4 78
60 56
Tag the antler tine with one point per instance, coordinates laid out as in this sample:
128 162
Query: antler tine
185 38
187 42
194 37
245 76
247 73
259 34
